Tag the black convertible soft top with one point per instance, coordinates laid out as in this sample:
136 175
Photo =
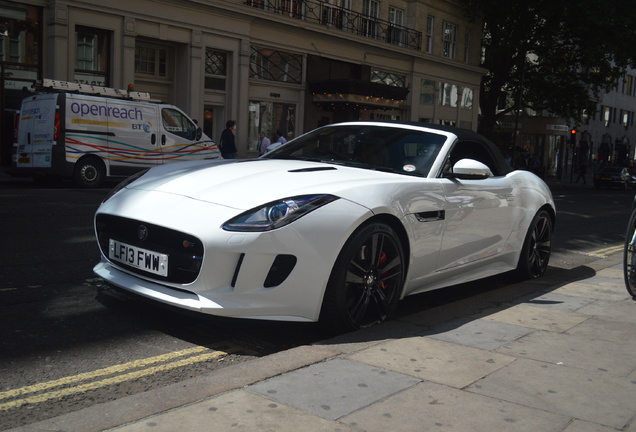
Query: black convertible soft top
466 135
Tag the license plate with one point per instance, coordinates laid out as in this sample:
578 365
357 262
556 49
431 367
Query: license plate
24 160
139 258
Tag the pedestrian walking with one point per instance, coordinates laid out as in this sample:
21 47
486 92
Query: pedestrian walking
228 141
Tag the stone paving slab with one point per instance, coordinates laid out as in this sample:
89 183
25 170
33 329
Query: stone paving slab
434 407
619 332
612 310
333 388
536 318
592 396
240 411
583 426
434 360
575 351
595 290
478 333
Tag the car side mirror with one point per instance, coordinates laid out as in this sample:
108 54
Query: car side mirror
199 134
469 169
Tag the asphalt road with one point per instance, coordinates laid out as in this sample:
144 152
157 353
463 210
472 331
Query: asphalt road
66 343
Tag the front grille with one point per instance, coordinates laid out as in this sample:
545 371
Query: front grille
185 251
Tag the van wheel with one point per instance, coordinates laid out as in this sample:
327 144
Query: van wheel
89 172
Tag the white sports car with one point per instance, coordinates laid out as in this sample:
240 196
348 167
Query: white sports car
337 225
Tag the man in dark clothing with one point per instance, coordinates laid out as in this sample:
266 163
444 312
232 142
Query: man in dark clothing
227 143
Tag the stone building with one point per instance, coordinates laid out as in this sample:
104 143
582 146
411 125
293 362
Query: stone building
291 65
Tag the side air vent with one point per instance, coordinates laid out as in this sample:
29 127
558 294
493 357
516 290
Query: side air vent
281 268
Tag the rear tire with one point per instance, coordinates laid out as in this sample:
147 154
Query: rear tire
89 172
366 281
537 247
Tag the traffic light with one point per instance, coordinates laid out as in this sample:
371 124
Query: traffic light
572 137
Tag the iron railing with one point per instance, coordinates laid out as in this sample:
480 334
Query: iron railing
343 19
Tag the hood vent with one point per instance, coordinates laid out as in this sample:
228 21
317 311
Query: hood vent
313 169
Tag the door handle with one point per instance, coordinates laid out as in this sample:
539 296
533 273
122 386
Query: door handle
163 140
153 139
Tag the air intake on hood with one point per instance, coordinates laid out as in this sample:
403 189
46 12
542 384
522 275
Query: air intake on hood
314 169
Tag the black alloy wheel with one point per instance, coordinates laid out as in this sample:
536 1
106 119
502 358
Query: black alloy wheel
367 279
537 247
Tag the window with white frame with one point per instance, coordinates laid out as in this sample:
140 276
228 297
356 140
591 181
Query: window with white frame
370 12
151 61
92 48
449 40
334 14
396 33
448 94
430 28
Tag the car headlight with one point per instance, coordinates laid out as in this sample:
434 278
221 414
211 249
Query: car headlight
123 184
277 214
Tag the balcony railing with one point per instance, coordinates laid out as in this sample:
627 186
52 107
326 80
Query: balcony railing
343 19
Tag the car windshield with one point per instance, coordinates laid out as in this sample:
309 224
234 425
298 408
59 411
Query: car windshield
379 147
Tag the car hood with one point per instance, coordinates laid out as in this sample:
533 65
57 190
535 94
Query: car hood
243 184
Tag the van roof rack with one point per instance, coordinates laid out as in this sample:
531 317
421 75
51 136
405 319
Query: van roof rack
66 86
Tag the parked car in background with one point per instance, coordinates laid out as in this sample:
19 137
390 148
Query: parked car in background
614 177
336 225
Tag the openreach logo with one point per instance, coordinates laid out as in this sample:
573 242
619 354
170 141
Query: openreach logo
96 110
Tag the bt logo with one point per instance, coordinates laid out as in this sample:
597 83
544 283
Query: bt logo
146 127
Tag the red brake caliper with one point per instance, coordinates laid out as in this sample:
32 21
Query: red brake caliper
381 262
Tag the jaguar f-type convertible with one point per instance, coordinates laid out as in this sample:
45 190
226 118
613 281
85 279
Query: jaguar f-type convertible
336 226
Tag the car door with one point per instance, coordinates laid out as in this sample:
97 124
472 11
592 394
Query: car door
133 142
479 214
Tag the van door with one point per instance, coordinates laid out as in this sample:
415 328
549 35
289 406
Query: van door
133 141
37 131
182 139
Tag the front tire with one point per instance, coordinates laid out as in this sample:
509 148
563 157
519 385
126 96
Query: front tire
366 281
537 247
629 256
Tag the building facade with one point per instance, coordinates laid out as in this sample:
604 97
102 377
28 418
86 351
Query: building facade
288 65
608 136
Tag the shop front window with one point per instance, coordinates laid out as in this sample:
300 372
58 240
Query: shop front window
269 117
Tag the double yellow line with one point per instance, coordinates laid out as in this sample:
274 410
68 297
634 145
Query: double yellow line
607 251
117 374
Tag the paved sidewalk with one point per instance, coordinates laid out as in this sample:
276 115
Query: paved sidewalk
556 354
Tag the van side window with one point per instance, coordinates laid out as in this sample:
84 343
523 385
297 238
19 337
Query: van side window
175 122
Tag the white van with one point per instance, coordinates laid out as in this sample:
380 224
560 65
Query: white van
109 133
